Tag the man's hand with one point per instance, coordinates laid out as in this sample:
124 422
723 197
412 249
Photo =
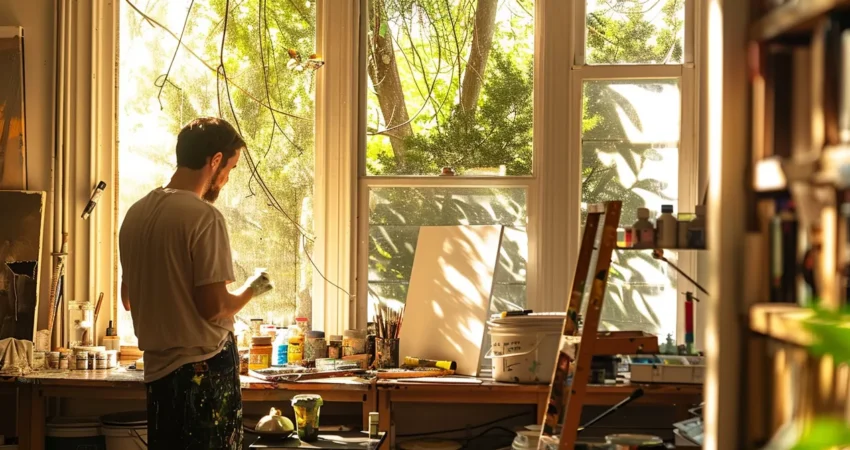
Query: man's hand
260 283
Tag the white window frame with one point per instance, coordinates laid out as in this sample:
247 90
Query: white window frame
687 73
87 122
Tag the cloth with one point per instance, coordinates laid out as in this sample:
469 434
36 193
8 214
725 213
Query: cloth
15 357
170 242
198 406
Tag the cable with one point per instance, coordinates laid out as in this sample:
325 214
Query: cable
459 430
483 433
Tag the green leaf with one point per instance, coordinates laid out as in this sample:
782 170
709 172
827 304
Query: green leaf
824 432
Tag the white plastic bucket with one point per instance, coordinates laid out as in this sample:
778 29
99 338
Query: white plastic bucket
73 427
125 431
524 354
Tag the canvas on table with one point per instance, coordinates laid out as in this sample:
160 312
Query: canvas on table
448 299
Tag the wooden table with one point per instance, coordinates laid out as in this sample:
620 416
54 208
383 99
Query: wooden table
122 384
341 440
681 396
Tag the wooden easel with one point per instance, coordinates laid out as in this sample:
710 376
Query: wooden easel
566 398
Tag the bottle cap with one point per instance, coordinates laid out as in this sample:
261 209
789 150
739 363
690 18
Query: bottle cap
667 209
643 213
700 210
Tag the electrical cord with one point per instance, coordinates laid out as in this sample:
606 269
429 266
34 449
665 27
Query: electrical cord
483 433
458 430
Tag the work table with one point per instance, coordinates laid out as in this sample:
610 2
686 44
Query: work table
373 395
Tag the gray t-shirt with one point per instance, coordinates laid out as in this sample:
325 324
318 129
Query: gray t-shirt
171 241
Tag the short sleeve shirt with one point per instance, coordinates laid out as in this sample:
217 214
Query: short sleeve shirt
170 242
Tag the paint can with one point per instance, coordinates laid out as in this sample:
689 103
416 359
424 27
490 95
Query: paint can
64 357
101 361
522 347
53 360
82 360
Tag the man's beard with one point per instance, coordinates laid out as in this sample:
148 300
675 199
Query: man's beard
211 195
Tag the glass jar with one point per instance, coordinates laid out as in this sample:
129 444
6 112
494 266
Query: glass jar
81 316
353 342
335 347
260 355
315 346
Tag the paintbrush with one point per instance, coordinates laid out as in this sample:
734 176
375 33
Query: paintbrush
96 313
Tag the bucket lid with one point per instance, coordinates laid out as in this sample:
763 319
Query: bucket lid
131 418
73 422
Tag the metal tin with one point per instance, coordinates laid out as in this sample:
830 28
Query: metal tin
101 361
53 360
38 360
82 360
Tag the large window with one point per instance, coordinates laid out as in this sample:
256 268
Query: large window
449 85
634 144
181 59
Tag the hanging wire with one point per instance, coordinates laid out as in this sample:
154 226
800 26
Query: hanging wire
251 163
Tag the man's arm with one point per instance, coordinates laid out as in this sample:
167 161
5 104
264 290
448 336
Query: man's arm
215 302
125 295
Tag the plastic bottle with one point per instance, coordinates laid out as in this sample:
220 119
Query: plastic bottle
696 229
643 231
280 347
666 228
295 347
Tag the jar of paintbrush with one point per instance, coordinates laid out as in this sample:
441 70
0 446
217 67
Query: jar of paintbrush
388 328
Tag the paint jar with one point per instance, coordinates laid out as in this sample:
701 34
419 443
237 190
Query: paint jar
111 359
335 347
38 360
53 360
307 408
386 353
666 228
353 342
315 346
101 361
82 360
260 354
295 348
64 357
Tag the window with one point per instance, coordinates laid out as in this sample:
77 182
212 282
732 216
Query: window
449 85
268 211
636 113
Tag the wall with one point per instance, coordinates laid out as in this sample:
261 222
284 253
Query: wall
36 17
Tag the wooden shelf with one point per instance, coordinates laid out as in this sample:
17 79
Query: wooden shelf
781 321
626 249
794 18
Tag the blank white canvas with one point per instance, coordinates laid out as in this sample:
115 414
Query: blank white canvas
448 299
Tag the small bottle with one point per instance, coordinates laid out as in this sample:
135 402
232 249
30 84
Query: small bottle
643 230
666 228
696 229
335 347
280 346
295 349
373 425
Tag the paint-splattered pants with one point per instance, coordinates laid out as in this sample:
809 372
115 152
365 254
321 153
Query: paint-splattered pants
198 406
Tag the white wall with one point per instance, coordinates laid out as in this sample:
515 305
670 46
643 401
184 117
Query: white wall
37 19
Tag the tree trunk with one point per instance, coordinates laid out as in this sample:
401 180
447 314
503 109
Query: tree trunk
482 42
383 72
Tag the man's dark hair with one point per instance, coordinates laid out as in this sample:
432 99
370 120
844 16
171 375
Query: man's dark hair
202 138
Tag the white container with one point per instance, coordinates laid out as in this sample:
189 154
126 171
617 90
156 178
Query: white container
73 427
125 431
523 349
526 440
666 228
643 232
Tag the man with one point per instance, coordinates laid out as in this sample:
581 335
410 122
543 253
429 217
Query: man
176 261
